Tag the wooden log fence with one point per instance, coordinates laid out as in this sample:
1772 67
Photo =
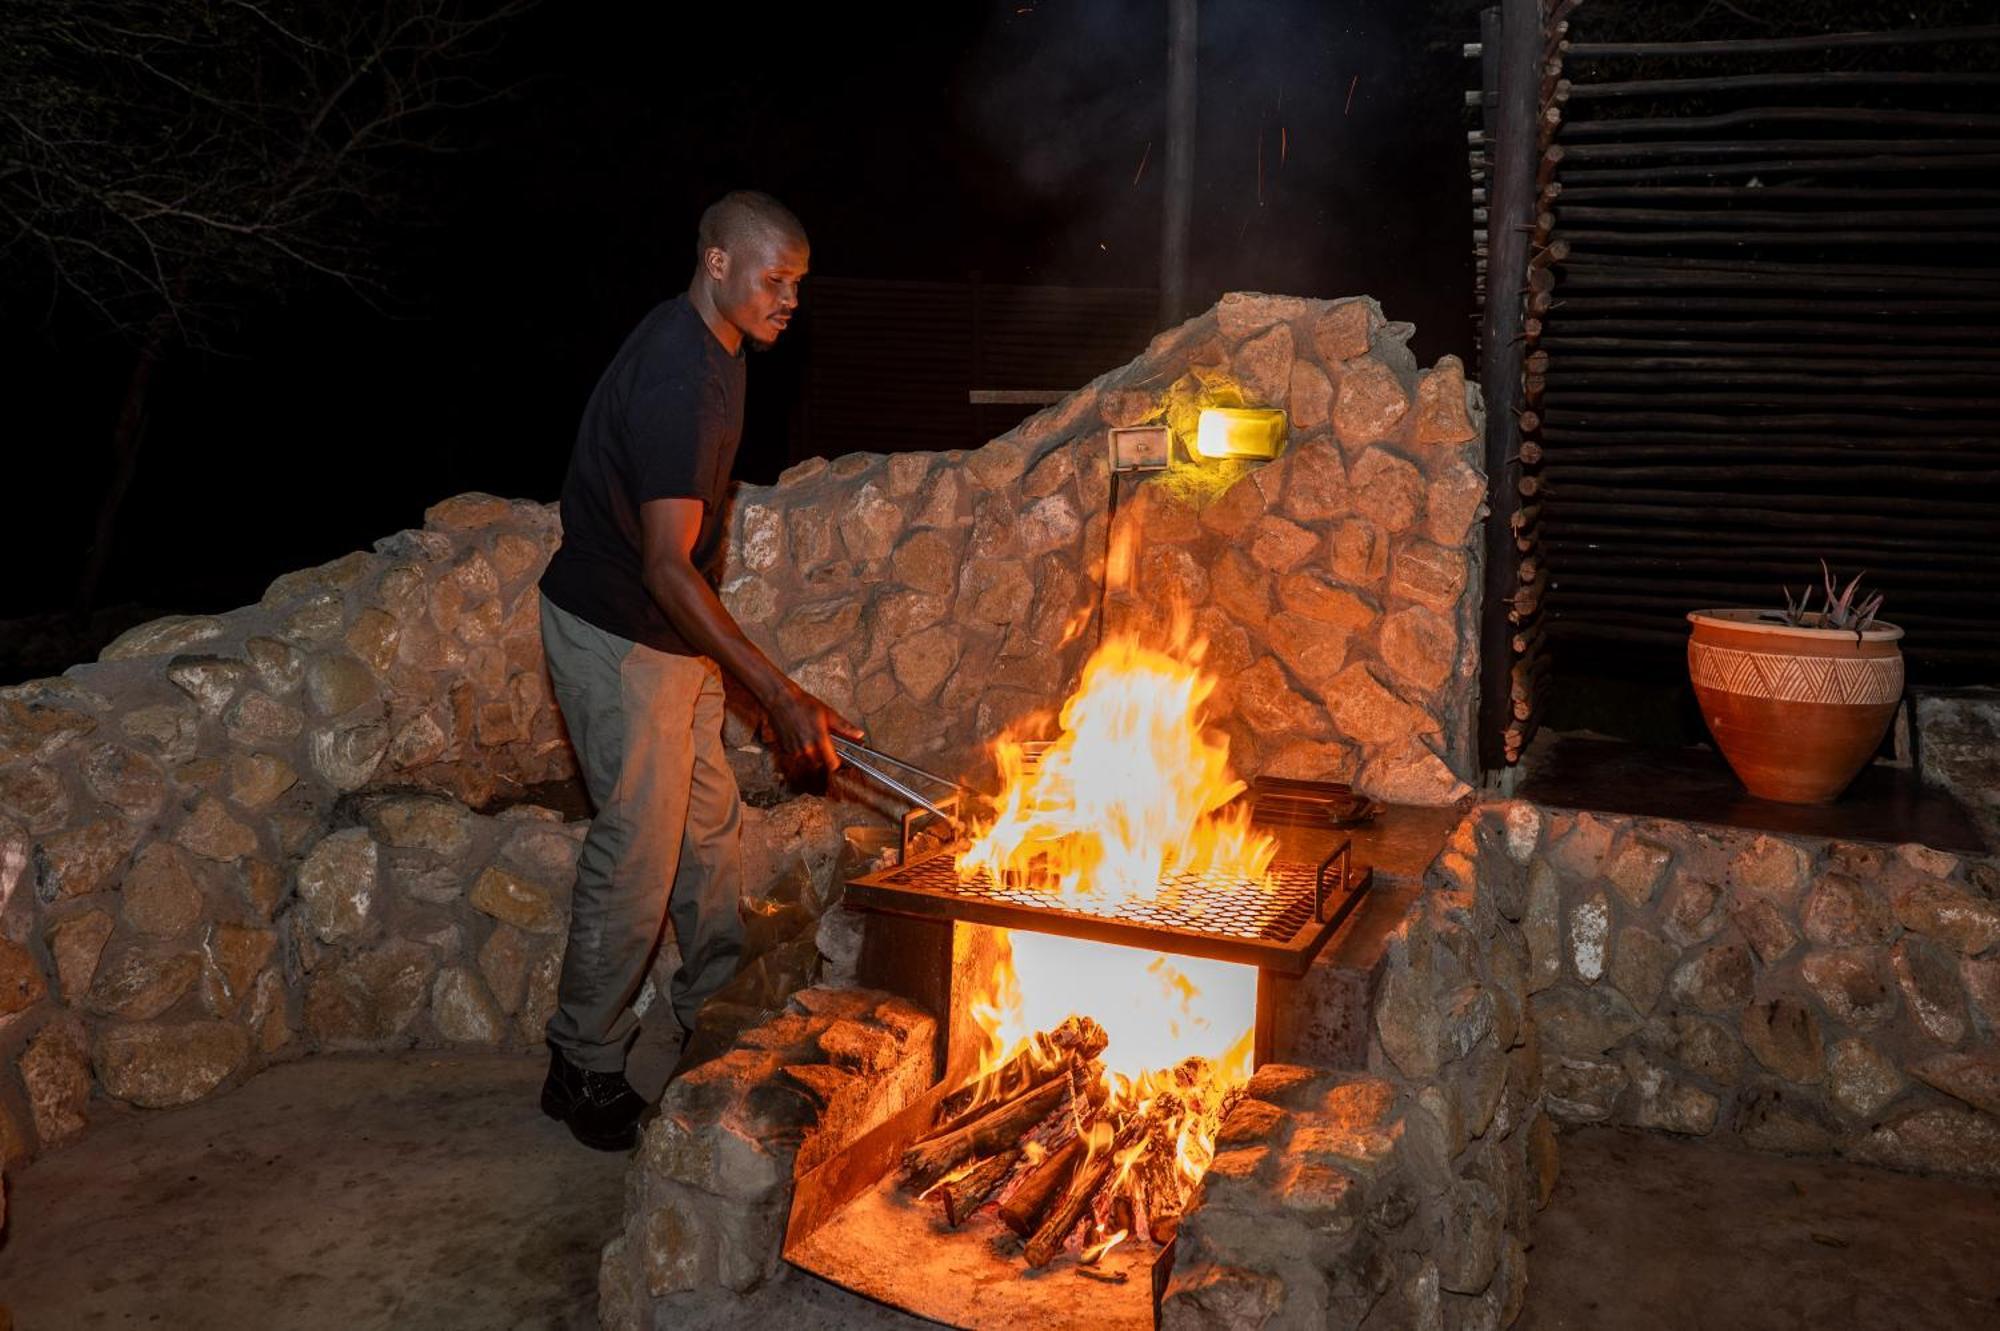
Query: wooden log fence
1750 297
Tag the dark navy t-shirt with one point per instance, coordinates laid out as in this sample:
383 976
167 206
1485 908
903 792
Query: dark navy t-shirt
663 423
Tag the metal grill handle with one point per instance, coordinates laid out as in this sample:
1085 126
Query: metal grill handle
1343 853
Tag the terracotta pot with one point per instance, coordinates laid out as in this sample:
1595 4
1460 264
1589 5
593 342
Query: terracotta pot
1796 711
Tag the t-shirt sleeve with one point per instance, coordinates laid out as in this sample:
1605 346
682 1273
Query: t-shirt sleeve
667 429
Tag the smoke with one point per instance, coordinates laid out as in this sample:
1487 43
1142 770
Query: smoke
1329 154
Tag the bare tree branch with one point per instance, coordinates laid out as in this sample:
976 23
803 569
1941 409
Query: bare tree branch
186 155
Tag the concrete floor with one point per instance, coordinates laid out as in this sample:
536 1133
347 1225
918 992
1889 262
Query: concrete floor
427 1190
1649 1232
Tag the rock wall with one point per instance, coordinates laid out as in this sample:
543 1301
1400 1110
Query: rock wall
1958 749
941 597
711 1188
1799 994
241 837
1403 1197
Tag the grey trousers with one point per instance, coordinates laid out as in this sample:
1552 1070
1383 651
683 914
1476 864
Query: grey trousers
647 728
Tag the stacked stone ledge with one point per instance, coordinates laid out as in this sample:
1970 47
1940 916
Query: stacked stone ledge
708 1199
942 597
1404 1196
241 837
1799 994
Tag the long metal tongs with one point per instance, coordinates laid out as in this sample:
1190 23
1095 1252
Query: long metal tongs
874 763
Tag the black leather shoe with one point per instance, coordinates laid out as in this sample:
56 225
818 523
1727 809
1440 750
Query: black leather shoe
600 1109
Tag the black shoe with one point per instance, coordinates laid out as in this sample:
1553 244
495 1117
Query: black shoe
600 1109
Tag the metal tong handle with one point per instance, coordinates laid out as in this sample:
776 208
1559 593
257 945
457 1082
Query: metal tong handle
871 762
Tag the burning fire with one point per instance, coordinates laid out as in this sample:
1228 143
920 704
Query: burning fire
1180 1028
1133 790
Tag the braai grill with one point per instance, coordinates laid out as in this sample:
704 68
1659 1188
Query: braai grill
1279 925
936 941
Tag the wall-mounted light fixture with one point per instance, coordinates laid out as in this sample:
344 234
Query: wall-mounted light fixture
1240 432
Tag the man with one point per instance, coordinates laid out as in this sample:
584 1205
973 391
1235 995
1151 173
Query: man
636 641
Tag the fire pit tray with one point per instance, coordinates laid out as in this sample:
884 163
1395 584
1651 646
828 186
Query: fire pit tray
1280 929
851 1225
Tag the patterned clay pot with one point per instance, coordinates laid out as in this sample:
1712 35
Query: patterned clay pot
1796 711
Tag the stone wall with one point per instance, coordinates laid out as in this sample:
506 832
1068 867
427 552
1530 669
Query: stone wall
1958 748
711 1189
1454 1033
241 837
1801 995
1404 1196
940 597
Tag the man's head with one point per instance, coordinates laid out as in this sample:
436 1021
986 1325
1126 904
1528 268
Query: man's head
750 255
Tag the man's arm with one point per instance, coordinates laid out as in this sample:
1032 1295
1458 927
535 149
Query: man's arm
669 528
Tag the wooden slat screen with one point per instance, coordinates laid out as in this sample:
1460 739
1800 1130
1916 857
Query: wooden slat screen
1760 325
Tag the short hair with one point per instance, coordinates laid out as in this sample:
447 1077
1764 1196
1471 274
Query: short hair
739 215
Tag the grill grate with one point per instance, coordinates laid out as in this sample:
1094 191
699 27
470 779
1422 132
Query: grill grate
1279 925
1208 903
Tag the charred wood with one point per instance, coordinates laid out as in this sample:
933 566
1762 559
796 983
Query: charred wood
1091 1175
999 1128
963 1194
1041 1185
1077 1039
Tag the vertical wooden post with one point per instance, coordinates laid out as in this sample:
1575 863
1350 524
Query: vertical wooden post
1510 203
1179 192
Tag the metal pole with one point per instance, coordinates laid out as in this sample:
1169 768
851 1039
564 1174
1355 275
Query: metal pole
1179 203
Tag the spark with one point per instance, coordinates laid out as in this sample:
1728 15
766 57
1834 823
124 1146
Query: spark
1142 162
1282 147
1350 95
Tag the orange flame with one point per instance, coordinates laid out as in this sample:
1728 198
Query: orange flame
1133 789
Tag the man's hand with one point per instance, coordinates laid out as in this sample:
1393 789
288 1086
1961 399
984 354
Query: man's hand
805 727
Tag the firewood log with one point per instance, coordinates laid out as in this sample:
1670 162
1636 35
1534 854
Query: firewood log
1162 1183
948 1124
1077 1039
962 1195
1090 1176
1022 1211
1001 1128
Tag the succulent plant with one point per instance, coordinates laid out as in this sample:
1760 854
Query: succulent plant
1844 608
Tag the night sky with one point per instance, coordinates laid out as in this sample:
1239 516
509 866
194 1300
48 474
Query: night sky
1019 142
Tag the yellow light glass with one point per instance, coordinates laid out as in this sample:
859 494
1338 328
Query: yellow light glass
1240 432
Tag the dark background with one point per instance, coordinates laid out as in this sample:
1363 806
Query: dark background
996 140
